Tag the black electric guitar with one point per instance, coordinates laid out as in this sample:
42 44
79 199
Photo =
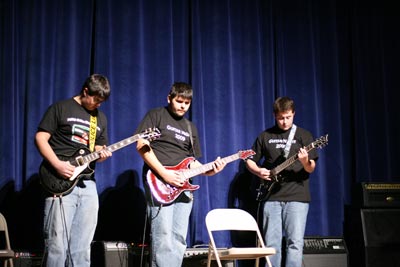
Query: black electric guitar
57 185
266 186
166 193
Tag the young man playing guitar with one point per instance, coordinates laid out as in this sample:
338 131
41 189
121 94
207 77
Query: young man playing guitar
69 126
287 197
179 140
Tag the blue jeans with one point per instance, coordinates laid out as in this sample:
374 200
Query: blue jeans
287 218
72 217
169 226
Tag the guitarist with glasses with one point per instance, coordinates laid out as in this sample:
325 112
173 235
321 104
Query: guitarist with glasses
69 127
286 196
179 140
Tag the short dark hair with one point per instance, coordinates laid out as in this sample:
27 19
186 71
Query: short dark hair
283 104
97 85
181 89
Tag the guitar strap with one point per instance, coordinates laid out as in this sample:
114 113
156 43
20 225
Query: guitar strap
191 137
289 141
92 132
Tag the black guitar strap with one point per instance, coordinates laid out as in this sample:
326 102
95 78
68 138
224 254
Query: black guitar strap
190 137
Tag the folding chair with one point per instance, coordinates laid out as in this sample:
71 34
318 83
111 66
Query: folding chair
6 253
235 220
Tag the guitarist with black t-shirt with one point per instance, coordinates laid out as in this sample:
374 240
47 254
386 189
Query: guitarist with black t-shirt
179 141
72 126
287 196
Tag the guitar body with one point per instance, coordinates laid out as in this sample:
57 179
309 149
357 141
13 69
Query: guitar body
83 161
266 187
57 185
166 193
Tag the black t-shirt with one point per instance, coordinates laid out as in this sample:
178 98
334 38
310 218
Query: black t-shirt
174 144
270 146
69 125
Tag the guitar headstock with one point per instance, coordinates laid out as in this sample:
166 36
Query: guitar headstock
321 142
150 134
245 154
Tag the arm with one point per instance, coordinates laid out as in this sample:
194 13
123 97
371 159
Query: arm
262 173
64 168
171 177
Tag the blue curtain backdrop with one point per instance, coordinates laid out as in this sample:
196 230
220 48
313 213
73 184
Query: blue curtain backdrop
337 59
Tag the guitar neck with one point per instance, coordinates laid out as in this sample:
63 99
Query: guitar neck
189 173
290 160
121 144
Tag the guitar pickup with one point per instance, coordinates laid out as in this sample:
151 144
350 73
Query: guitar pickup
80 160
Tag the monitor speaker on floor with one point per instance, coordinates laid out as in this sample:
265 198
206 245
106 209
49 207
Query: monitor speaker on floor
381 234
121 254
324 252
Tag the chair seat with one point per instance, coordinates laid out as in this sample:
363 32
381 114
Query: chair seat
6 253
245 253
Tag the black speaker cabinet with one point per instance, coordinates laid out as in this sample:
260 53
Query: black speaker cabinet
121 254
324 252
381 236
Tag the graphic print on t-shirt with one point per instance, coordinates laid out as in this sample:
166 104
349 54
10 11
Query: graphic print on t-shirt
80 130
280 142
80 134
178 133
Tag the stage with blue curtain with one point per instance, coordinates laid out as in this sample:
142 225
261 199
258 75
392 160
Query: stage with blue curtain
337 59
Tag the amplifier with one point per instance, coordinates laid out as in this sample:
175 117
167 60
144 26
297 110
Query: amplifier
378 195
118 253
197 257
324 252
28 259
324 245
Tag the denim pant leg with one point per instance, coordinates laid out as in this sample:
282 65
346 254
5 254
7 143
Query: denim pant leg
84 224
272 217
169 225
294 220
61 224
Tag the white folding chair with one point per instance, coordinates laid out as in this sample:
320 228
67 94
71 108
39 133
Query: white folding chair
235 220
6 253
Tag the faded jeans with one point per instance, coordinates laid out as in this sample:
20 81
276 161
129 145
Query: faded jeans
287 218
72 217
169 226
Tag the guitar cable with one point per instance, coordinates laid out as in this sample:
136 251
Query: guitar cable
47 226
143 238
69 256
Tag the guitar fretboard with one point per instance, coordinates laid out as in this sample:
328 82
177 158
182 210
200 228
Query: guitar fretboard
189 173
123 143
290 161
320 142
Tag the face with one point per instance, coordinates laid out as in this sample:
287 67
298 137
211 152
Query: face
91 102
284 119
178 105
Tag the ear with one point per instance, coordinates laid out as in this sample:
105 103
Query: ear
169 99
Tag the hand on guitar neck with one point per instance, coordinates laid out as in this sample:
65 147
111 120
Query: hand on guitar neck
177 178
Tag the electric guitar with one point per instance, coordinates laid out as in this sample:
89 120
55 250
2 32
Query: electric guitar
266 186
166 193
57 185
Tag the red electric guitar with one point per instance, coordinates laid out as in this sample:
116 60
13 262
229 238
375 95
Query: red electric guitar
166 193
